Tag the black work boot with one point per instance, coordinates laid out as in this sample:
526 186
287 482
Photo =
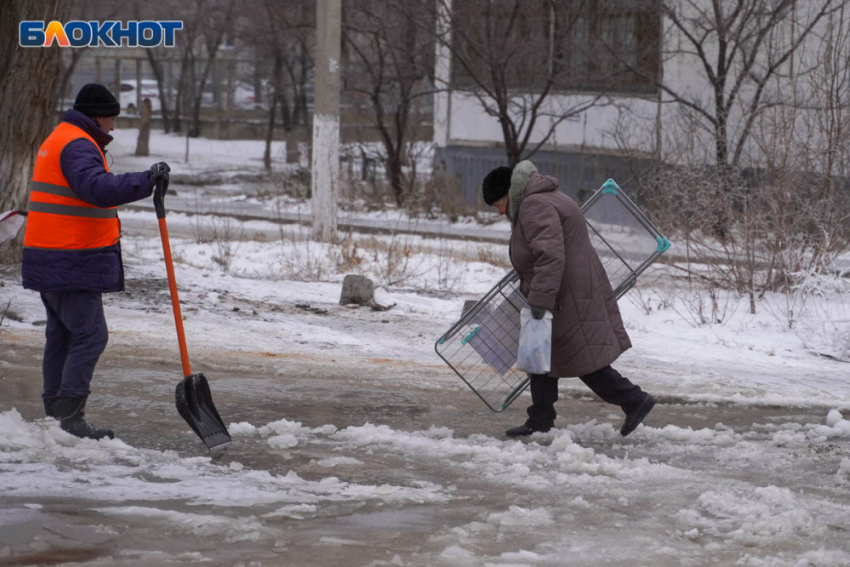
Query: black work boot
637 415
48 408
541 412
525 429
72 416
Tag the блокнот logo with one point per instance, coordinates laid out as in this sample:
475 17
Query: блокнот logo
77 33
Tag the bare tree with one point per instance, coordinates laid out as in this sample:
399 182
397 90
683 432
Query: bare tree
164 91
277 96
520 58
143 140
186 78
778 212
296 54
82 10
213 21
737 48
828 100
69 65
27 101
282 32
806 144
205 25
162 9
388 59
299 67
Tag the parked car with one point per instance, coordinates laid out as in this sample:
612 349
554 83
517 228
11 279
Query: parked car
243 96
150 91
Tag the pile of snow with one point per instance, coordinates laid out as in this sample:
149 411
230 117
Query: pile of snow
754 517
241 429
246 529
39 460
517 516
843 474
530 465
331 462
285 434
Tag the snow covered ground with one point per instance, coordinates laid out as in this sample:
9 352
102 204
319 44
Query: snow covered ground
355 445
226 177
207 158
773 494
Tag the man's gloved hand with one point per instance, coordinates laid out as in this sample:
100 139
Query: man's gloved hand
538 312
157 171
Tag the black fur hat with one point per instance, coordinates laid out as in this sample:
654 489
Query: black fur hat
496 184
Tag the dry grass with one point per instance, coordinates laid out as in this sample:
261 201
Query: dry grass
495 255
348 257
396 260
442 193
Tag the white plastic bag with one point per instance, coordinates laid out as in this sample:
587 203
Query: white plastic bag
534 354
10 223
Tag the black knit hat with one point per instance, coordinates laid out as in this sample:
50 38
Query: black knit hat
496 184
96 100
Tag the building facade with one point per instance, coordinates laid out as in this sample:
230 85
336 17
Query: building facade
629 83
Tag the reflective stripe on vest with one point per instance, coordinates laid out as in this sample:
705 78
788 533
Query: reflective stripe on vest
72 211
58 219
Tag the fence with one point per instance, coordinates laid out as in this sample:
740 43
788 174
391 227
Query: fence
578 173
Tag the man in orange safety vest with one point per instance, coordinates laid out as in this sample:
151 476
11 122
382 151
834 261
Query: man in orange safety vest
72 249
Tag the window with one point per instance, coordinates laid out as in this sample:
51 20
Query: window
586 45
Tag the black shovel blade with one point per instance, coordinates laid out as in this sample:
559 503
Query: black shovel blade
195 405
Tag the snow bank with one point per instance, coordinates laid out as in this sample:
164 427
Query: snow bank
531 465
231 529
241 429
516 516
756 517
40 460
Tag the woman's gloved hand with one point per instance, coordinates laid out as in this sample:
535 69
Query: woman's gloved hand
538 312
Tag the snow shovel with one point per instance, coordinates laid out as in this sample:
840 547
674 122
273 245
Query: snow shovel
193 396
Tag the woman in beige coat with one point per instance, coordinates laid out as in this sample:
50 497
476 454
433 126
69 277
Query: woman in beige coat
560 272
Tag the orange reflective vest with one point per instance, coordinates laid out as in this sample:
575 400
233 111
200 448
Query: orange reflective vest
58 219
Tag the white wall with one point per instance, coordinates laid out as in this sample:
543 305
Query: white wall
591 130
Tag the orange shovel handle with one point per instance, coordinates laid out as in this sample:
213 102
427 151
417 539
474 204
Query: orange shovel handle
172 281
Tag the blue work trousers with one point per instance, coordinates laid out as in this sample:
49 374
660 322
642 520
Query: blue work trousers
76 336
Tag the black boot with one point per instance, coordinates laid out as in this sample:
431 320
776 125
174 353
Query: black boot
48 408
72 416
637 415
523 430
541 412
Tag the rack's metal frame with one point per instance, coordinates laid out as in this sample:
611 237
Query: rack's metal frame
505 295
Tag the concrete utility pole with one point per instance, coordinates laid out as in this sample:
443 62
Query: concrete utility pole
325 162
